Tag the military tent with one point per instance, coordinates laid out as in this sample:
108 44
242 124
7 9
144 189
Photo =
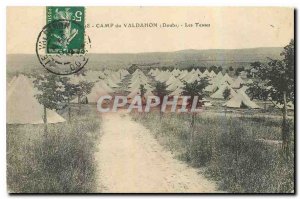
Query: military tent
219 93
241 100
237 83
24 108
95 93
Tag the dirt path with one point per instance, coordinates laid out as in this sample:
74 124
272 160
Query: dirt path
131 160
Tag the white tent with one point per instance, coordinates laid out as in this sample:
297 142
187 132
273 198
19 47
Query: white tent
183 74
198 72
227 78
237 83
219 93
188 76
171 80
92 76
176 92
155 72
103 85
193 78
95 93
137 72
123 73
110 83
150 72
244 89
137 82
177 83
138 92
175 72
216 82
24 108
162 77
219 76
211 87
212 73
239 100
205 73
115 77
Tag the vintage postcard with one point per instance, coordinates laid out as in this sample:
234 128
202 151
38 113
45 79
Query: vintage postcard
150 100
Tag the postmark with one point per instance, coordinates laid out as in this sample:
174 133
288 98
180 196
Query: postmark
62 46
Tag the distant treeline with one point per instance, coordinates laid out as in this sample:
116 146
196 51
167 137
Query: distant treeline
216 69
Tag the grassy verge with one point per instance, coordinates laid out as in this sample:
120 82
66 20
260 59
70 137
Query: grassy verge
61 162
228 149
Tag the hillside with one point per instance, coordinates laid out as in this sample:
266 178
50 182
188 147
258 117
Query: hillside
180 59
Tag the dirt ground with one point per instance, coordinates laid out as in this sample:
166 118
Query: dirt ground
130 160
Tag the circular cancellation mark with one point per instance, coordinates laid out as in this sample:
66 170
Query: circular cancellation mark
62 47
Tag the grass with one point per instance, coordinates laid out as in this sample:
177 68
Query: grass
61 162
228 149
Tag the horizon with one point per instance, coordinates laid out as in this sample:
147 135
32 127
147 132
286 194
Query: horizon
165 51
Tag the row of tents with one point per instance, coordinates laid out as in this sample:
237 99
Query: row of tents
21 93
218 84
105 83
24 108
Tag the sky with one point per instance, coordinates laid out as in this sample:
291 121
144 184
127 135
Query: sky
230 28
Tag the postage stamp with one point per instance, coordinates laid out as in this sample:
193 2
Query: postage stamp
62 45
70 38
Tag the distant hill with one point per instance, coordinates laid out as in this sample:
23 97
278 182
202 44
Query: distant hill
179 59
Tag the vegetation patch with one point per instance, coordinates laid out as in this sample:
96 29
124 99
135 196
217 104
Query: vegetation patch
229 148
60 161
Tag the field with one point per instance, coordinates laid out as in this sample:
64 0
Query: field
60 161
234 150
241 153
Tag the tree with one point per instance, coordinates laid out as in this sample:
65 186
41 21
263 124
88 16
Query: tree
213 68
202 69
133 68
279 76
160 90
258 90
51 93
193 89
196 88
70 92
248 73
230 68
143 90
83 88
226 93
220 69
238 70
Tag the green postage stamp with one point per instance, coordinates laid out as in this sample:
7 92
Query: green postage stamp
69 38
62 45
